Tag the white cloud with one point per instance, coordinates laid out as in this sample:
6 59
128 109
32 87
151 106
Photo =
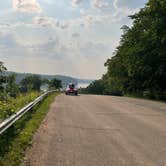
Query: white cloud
88 20
100 4
64 25
75 35
54 39
42 21
95 49
45 46
5 28
75 3
8 41
27 6
129 4
49 1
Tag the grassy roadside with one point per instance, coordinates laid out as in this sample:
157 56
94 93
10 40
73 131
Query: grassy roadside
14 142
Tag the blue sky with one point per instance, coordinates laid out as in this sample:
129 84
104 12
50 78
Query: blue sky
69 37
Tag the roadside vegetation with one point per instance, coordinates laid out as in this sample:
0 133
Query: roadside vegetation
138 67
13 95
12 105
15 141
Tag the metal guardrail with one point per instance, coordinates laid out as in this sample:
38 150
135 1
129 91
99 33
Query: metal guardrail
4 125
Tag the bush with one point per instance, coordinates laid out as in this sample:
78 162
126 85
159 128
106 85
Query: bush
12 105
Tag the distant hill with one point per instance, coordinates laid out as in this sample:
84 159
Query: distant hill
65 79
84 81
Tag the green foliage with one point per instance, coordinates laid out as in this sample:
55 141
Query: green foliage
139 64
55 84
14 142
31 83
12 89
12 105
8 86
96 87
2 67
2 79
14 96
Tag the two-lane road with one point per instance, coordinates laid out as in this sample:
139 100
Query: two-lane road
101 131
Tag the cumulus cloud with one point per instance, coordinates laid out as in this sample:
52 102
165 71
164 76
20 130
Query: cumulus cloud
45 21
64 25
8 41
88 20
75 35
49 1
27 6
58 37
85 21
5 29
93 49
130 4
4 25
45 44
100 4
75 3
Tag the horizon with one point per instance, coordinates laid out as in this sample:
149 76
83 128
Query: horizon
91 79
71 37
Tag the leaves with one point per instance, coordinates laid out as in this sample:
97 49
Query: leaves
139 64
12 105
55 84
140 61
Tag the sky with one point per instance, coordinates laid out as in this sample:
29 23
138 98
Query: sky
67 37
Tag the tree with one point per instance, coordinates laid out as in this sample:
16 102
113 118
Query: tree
55 84
30 83
12 88
2 67
96 87
2 79
24 85
36 82
139 62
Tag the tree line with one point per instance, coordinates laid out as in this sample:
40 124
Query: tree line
9 87
138 66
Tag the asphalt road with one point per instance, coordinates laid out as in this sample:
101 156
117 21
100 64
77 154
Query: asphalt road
101 131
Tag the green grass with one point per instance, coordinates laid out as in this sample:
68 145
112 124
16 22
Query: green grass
14 142
12 105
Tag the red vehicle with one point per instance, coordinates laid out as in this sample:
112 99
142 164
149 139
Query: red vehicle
71 90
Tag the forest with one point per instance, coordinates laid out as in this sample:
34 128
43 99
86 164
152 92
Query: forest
138 67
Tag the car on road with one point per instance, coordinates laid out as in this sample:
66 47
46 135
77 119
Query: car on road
71 89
